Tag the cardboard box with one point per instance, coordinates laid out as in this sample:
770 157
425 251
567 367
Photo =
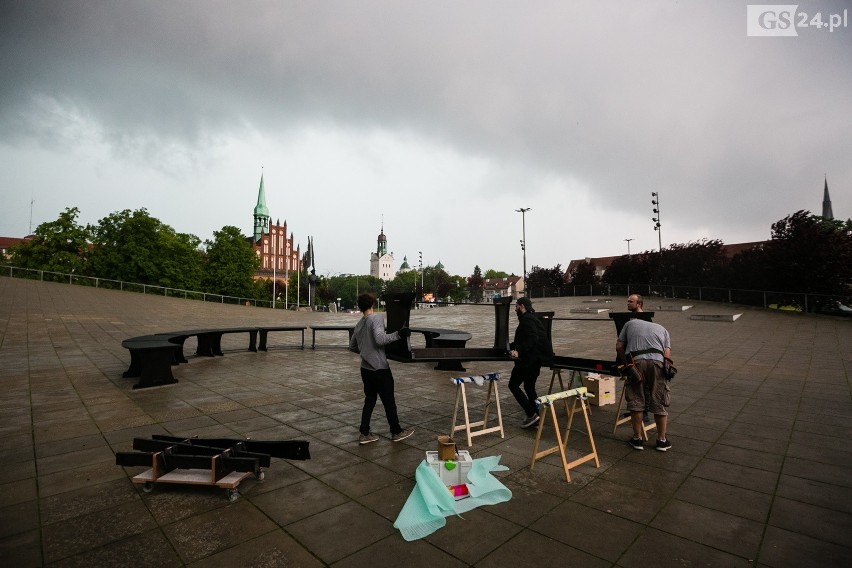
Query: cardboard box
602 387
446 448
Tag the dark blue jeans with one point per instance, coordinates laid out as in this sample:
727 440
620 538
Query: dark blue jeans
378 384
526 376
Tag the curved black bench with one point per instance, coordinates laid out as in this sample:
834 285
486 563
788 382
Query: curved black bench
151 360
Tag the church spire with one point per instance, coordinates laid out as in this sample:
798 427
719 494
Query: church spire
261 212
827 213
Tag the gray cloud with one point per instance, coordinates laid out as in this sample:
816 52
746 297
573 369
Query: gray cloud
620 98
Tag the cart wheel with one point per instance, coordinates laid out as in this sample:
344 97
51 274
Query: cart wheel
233 495
260 475
147 487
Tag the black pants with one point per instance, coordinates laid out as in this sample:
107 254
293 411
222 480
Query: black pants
526 376
378 384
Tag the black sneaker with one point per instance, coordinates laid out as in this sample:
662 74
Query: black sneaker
530 421
663 445
636 443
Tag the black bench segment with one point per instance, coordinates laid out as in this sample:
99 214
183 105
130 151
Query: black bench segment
316 328
209 340
447 347
264 332
445 338
151 360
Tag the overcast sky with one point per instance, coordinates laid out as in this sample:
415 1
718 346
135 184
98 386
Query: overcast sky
440 117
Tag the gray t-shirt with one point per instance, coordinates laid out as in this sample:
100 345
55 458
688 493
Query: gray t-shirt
638 335
369 339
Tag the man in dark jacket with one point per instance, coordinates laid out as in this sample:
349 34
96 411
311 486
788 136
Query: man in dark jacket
529 351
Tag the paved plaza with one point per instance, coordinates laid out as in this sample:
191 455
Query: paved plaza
760 473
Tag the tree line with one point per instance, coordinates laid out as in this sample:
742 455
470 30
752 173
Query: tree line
806 254
133 246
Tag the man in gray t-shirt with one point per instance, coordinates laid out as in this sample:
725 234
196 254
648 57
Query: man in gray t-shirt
648 343
369 339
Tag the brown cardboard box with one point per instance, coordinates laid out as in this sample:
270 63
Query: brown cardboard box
446 448
602 387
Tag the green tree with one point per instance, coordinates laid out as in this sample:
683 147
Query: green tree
583 274
135 247
408 281
231 264
475 285
458 291
620 271
700 263
58 246
539 279
491 273
807 253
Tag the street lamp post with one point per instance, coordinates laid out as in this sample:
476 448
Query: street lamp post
523 212
628 247
655 201
421 274
272 241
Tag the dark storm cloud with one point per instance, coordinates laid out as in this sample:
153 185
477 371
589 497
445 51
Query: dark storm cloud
626 98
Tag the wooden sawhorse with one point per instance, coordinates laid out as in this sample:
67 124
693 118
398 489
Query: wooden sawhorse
579 395
576 378
461 398
619 419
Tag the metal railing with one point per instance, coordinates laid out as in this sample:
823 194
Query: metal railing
795 301
76 279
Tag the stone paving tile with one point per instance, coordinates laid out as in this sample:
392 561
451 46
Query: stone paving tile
819 522
147 550
22 550
274 549
737 475
91 498
392 552
826 473
298 501
726 498
739 536
85 532
670 551
634 503
19 518
782 548
16 471
546 552
495 531
834 497
17 492
602 534
314 531
206 534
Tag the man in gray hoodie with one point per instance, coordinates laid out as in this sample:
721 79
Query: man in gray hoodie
369 340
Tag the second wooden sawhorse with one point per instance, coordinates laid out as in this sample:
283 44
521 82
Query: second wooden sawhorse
549 402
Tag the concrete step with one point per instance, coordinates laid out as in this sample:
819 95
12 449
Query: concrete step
715 317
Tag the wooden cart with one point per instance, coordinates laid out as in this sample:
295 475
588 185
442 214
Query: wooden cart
224 463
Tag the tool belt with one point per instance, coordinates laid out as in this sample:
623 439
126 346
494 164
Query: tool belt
634 374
